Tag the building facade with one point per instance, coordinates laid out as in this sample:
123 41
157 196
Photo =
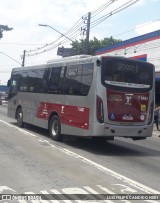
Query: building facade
145 47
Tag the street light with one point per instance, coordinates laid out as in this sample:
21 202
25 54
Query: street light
44 25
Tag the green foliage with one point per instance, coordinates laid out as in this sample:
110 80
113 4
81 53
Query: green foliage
4 28
94 44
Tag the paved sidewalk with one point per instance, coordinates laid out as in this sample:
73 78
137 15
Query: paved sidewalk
155 131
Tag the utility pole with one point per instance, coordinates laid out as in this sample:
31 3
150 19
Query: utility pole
23 58
87 33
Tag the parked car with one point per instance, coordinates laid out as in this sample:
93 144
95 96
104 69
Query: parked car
3 98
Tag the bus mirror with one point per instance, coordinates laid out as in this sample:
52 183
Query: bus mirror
9 83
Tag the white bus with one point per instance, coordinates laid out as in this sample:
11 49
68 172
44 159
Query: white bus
89 96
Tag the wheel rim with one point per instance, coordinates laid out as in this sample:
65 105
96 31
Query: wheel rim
55 128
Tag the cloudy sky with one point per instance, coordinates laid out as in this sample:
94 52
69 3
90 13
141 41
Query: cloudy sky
25 15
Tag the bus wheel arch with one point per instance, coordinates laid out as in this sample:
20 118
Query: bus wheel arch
19 116
54 127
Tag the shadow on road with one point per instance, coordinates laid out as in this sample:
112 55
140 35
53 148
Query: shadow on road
118 147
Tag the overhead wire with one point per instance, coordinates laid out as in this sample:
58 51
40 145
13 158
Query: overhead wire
74 27
54 44
117 10
71 30
75 30
64 41
102 8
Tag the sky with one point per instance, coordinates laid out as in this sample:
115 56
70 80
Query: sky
24 16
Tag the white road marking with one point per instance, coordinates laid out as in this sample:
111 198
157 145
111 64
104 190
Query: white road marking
110 192
72 193
57 192
75 190
45 192
125 189
95 192
90 162
35 201
3 188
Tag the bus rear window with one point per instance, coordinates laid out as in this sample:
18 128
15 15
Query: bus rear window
127 73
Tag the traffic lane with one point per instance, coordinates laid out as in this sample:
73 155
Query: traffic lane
30 163
3 110
139 160
136 159
3 114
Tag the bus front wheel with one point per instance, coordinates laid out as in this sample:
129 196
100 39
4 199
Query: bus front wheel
55 128
20 122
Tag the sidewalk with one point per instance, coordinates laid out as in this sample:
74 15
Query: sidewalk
155 131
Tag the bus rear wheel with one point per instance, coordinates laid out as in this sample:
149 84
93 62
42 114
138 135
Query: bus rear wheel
20 122
55 128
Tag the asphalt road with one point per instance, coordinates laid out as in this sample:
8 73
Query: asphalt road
30 162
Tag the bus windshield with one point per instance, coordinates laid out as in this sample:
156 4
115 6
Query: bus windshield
127 73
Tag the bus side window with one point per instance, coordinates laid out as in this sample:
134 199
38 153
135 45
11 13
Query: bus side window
54 79
24 82
78 79
14 85
35 81
45 80
72 82
87 76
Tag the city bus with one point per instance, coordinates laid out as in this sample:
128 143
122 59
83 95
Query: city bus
90 96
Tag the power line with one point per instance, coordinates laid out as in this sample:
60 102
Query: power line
53 45
10 57
44 25
102 8
19 44
75 26
76 30
117 10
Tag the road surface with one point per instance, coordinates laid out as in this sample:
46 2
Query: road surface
31 163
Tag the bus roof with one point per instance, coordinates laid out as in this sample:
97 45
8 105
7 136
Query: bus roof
69 61
69 58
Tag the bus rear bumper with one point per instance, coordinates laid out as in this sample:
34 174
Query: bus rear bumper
121 130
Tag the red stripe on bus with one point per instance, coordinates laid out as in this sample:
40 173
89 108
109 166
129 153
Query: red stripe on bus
76 116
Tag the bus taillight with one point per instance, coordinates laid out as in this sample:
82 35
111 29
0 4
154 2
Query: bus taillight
100 113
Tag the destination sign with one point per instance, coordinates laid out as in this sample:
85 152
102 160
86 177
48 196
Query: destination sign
125 67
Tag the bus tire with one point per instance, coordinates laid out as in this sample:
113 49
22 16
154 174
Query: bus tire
19 117
55 128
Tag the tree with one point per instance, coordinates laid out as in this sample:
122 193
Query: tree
4 28
94 44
